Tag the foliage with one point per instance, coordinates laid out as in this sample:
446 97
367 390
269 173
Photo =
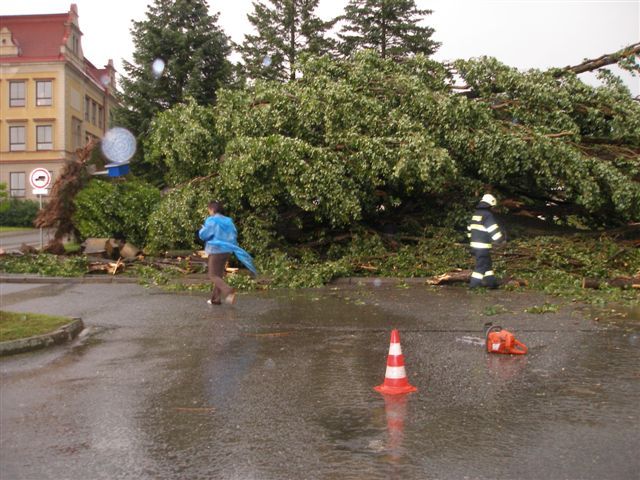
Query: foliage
544 308
16 325
183 143
4 197
531 134
391 28
496 309
18 213
118 209
44 264
176 221
373 142
193 48
285 30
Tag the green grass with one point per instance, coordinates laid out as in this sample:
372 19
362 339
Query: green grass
72 247
14 229
15 325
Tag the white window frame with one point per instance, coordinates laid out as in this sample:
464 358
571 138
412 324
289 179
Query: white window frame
42 100
17 191
17 101
17 146
76 133
44 141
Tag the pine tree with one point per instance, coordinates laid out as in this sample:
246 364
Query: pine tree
285 30
180 52
388 26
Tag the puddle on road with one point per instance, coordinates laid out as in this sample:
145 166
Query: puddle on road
292 393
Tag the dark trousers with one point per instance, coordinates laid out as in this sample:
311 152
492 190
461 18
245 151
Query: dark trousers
483 272
216 263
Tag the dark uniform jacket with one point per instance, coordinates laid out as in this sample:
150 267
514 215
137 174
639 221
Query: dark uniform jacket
483 229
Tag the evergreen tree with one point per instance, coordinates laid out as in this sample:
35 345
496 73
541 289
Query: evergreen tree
285 30
180 52
388 26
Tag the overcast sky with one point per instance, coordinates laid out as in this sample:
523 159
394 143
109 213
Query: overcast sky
521 33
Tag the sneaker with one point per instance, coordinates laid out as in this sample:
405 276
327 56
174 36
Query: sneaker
214 302
231 298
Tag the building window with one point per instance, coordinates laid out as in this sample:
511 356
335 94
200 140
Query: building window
43 93
94 112
17 137
76 132
44 135
17 94
16 184
87 105
100 116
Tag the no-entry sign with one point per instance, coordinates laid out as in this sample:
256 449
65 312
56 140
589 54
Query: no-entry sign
40 178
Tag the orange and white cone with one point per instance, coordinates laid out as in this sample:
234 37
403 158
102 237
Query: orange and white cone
395 378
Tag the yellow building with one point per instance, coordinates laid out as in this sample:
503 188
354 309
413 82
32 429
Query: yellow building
52 99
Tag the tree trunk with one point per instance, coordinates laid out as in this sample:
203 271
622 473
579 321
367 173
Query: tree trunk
604 60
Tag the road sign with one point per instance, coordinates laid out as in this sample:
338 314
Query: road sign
40 178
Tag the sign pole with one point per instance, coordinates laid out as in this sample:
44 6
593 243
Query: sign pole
40 178
41 233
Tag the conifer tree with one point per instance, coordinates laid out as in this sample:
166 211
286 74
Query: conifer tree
285 30
180 52
391 27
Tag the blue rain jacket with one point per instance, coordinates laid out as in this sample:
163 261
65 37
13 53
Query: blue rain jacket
220 236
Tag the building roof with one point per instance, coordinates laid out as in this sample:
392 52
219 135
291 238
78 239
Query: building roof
43 38
39 37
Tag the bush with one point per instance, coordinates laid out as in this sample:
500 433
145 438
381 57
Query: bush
18 213
120 210
175 223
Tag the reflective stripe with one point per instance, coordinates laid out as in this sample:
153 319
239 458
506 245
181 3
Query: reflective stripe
480 245
497 236
492 228
488 273
477 218
477 275
395 372
395 349
477 227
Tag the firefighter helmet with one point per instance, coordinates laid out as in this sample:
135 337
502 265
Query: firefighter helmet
490 199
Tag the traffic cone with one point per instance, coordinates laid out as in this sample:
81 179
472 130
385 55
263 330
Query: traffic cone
395 379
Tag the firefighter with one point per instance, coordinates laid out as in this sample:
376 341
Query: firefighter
483 232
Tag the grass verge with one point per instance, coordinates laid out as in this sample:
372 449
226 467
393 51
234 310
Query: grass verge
15 325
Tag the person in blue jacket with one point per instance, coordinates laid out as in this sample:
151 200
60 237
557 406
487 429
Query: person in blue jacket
221 240
484 231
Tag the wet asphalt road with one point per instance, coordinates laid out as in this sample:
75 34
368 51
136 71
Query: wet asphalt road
12 241
163 386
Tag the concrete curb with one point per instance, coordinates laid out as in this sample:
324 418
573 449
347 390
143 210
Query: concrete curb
25 278
61 335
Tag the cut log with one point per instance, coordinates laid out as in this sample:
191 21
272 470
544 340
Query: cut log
450 277
590 283
112 248
129 251
92 246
